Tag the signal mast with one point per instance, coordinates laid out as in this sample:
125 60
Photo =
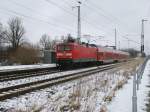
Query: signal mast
79 23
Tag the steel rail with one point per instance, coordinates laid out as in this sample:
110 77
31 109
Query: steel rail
17 90
26 75
20 74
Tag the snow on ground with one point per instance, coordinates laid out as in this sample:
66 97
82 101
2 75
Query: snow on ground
88 94
31 79
123 100
24 67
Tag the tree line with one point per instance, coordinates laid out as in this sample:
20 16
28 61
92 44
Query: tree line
15 48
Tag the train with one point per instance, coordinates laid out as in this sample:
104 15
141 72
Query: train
74 53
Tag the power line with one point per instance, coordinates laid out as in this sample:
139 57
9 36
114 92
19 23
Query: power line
67 3
107 18
102 26
100 9
25 16
117 20
51 2
40 14
131 40
31 18
62 8
84 20
106 12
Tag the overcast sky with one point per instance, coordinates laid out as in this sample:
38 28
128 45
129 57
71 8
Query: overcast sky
99 18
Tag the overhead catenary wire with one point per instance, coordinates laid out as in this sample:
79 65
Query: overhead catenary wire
33 19
52 24
105 16
131 40
28 17
62 9
84 4
40 14
84 20
117 20
99 13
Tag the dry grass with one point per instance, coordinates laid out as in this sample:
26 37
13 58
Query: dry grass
107 82
103 84
128 69
74 99
120 84
132 65
34 108
64 108
110 96
103 108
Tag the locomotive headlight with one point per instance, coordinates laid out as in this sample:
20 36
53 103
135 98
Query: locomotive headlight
68 54
59 54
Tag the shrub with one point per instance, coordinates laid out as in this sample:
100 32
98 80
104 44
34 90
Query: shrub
25 55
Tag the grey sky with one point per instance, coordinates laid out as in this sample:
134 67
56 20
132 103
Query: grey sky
99 17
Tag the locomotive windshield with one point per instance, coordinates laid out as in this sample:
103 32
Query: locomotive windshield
64 48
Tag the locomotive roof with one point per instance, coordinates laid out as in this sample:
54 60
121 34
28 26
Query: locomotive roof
102 48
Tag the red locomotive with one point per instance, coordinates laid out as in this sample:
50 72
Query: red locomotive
72 53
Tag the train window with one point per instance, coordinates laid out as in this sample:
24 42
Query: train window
67 48
64 48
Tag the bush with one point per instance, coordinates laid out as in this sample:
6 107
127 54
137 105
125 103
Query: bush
25 55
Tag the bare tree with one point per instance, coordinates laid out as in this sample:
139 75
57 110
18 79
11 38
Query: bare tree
1 34
46 42
15 32
54 43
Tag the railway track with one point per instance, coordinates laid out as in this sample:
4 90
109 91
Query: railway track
17 90
20 74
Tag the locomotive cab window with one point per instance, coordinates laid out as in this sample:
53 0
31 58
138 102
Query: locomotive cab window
64 48
67 48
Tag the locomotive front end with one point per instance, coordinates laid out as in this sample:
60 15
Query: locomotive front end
64 54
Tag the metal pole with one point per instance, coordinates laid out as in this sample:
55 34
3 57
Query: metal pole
79 23
136 81
142 37
128 43
115 38
119 45
138 77
134 97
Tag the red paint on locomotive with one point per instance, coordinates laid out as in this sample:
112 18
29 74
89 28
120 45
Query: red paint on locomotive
67 53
